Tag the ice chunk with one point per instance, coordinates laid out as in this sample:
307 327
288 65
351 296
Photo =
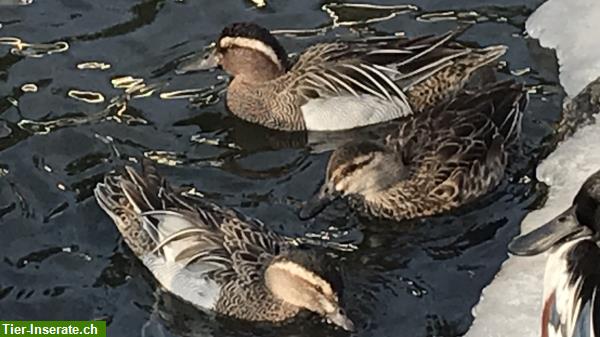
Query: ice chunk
570 27
510 305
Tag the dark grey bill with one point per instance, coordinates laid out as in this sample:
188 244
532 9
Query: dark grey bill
563 227
209 60
325 196
340 319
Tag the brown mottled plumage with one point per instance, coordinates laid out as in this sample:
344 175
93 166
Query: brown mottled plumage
443 85
217 258
437 161
340 85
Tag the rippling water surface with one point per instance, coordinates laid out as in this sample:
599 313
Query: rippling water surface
86 86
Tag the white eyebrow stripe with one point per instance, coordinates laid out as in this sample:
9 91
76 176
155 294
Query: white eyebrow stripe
244 42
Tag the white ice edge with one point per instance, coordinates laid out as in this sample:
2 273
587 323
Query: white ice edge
510 305
571 27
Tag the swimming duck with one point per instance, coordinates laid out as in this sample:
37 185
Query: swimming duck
339 85
571 302
215 257
432 163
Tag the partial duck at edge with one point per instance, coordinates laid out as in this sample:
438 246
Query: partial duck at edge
571 300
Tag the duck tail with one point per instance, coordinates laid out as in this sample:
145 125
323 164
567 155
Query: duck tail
125 195
509 114
155 217
484 56
509 100
430 54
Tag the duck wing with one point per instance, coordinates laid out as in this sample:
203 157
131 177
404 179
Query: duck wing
508 100
458 150
370 67
335 89
406 61
341 69
186 229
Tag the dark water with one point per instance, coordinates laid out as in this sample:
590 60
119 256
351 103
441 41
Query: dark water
62 258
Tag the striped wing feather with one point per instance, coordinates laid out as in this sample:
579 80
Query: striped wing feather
381 69
189 229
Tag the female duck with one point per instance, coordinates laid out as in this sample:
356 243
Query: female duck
216 258
435 162
339 85
572 279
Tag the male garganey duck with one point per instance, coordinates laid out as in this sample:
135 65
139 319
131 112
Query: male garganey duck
339 85
432 163
216 258
571 302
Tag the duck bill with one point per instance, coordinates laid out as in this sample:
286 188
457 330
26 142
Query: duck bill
208 61
325 196
341 320
564 227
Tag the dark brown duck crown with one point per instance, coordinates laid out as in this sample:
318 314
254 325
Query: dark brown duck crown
587 203
253 31
347 152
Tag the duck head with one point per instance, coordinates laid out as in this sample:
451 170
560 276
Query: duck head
243 49
295 284
358 168
582 219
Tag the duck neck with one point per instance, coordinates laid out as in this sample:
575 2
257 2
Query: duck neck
389 203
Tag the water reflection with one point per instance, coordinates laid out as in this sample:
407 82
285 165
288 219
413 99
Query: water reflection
86 96
15 2
93 65
21 48
344 14
513 15
29 87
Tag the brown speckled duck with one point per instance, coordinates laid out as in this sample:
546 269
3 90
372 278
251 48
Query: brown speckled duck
339 85
216 258
435 162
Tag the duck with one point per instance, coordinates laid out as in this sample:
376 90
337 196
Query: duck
571 301
216 258
432 163
338 85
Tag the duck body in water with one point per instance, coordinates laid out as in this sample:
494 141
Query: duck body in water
339 85
431 163
216 258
